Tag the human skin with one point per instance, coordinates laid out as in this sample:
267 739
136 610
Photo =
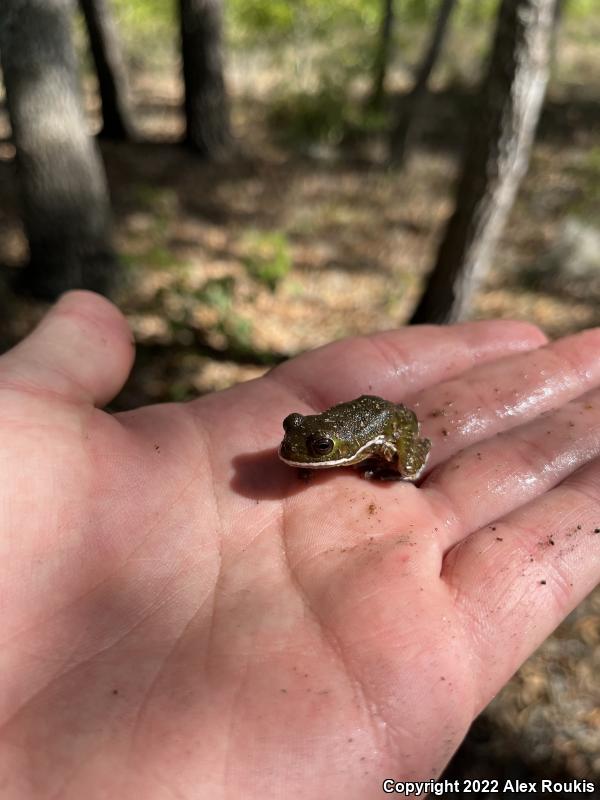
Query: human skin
182 617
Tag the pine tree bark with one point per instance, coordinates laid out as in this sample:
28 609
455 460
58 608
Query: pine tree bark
382 55
206 101
497 157
110 68
407 117
64 193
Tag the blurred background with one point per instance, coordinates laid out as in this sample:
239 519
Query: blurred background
249 179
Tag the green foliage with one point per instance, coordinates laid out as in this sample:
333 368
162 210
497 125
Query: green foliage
592 163
155 253
255 20
180 392
267 258
422 10
155 257
148 28
256 17
328 115
581 8
587 174
473 12
303 117
217 293
145 16
238 333
155 207
260 22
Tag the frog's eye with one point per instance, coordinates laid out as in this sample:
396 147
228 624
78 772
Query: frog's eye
320 445
292 421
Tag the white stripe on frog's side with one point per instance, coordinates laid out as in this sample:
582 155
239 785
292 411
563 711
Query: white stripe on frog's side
338 462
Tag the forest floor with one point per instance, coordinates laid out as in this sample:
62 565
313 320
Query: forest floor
231 267
293 243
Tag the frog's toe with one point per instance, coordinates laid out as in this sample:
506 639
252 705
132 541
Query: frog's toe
381 472
389 452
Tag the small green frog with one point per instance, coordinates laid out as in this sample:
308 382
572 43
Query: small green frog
369 429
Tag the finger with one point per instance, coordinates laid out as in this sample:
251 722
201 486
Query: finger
395 363
511 469
507 392
82 350
516 583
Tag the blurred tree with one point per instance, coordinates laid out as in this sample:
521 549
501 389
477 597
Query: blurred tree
206 102
407 116
382 53
559 13
497 157
65 199
110 68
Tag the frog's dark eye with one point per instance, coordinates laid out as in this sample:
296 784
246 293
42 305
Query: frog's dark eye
292 421
320 445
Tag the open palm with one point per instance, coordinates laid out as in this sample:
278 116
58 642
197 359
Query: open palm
184 618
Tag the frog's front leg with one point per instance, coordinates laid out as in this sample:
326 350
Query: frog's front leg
381 472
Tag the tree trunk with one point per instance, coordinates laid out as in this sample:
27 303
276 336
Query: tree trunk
559 12
206 102
110 69
382 56
497 157
65 199
407 117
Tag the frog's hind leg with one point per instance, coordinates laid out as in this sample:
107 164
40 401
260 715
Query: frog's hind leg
412 457
388 451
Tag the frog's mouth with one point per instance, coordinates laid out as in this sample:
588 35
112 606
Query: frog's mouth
363 452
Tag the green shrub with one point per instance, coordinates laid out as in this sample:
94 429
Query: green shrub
267 258
217 293
302 117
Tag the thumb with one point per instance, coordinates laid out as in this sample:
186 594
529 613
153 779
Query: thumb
82 350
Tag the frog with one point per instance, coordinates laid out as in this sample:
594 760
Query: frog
381 436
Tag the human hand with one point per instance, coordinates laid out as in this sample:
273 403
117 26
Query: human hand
182 617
